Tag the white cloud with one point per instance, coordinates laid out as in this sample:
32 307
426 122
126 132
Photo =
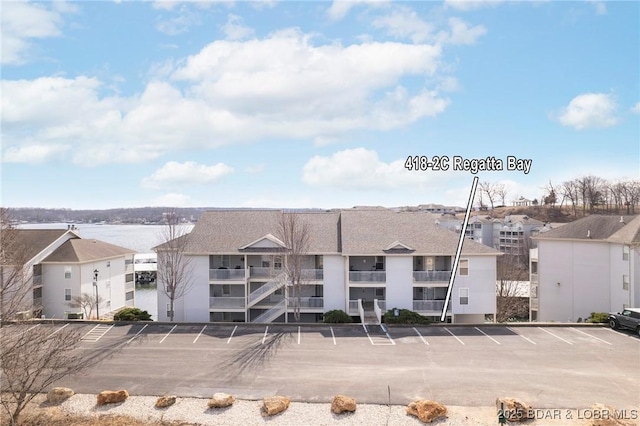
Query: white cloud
636 108
340 8
234 29
256 169
461 33
189 173
22 22
181 23
33 153
281 86
600 7
465 5
361 168
589 110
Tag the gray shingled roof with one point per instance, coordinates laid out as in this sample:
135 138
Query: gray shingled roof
369 232
226 231
597 227
33 241
86 250
629 234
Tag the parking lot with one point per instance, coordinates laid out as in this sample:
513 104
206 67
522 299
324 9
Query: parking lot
554 367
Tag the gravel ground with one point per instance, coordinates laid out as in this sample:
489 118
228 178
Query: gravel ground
247 413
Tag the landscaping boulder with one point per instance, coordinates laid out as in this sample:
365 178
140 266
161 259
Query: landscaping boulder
58 395
343 403
165 401
221 400
272 405
112 397
605 415
514 410
427 411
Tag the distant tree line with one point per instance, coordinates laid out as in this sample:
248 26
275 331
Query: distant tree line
154 215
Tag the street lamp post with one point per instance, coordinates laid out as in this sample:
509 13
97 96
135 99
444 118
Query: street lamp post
95 284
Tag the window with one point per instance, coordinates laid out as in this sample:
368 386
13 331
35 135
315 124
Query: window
224 260
625 282
67 294
277 262
464 267
464 296
534 267
169 310
534 291
67 272
379 292
128 295
129 277
625 252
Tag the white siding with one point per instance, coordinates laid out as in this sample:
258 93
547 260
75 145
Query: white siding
197 298
399 293
481 283
334 284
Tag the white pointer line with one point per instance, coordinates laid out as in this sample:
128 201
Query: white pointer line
456 260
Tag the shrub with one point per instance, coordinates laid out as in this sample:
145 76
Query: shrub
405 316
132 314
336 316
598 317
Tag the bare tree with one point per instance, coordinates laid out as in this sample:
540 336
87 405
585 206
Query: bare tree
501 191
491 190
86 302
511 300
294 232
570 192
15 289
175 271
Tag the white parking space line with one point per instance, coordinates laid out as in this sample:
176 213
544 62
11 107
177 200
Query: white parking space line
266 330
449 331
618 333
199 334
487 335
333 335
64 326
167 335
232 333
525 338
298 334
31 328
593 337
421 338
384 328
558 337
137 334
96 333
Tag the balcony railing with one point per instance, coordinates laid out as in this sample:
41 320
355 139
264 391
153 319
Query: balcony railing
226 302
308 302
430 276
226 274
429 305
264 272
354 307
368 276
312 274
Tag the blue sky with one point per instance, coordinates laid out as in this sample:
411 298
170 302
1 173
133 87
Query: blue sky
311 104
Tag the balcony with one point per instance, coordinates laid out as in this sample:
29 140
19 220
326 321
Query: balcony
226 274
312 274
368 276
430 305
308 302
259 272
431 276
226 303
37 280
129 286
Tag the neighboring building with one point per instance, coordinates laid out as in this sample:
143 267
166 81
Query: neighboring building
522 202
590 265
61 265
374 259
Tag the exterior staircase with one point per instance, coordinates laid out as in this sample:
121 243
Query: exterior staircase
272 313
262 292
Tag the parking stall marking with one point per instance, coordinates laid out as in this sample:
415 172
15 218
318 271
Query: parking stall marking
593 337
333 336
266 330
449 331
298 334
167 335
421 338
199 334
96 333
60 329
232 333
623 334
29 329
525 338
137 334
558 337
487 335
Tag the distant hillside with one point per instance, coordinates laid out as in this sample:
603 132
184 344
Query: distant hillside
150 215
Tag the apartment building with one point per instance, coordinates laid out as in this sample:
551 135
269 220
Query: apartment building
590 265
363 261
60 266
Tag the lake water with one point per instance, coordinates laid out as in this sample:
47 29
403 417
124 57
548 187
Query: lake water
140 238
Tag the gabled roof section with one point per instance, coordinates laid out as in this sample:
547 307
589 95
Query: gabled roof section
630 234
266 242
368 232
227 231
398 247
34 241
596 227
85 250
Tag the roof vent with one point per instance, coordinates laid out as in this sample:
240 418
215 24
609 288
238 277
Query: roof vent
589 233
621 219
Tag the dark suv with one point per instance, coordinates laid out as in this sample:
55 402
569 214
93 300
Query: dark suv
628 318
